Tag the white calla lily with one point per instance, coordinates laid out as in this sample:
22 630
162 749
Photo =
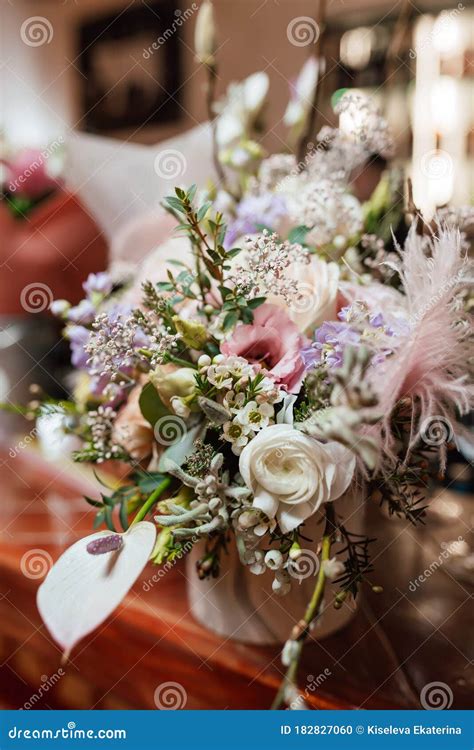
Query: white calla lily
82 589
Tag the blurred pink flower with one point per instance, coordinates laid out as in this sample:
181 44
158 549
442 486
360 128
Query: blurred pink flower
273 341
28 175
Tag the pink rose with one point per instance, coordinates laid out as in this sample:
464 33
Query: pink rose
273 341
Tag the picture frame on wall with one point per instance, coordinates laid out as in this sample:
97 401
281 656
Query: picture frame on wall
131 66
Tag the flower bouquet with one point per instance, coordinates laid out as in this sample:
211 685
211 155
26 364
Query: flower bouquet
282 363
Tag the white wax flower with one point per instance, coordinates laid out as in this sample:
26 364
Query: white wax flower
333 568
291 475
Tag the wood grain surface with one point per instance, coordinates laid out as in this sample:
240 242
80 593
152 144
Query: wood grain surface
398 642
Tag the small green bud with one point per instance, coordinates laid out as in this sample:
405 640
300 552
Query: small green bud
193 334
295 551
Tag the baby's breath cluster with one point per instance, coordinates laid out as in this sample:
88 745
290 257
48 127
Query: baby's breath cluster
266 269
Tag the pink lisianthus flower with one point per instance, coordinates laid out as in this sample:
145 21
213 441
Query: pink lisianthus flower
274 342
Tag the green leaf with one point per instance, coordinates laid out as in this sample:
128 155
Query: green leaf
192 193
235 251
123 515
298 234
99 519
247 315
230 320
109 521
151 405
94 503
148 481
176 204
203 210
256 302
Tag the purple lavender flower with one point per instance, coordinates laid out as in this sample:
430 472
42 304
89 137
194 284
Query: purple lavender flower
98 283
254 211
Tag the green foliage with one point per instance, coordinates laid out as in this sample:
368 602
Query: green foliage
151 405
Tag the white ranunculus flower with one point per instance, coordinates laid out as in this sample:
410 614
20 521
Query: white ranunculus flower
291 475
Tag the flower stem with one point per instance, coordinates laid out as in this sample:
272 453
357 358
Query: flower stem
148 505
179 361
210 96
312 611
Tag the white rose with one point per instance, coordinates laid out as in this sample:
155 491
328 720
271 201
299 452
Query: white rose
318 283
291 475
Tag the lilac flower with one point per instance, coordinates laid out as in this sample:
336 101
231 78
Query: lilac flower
330 343
83 314
78 337
253 212
98 283
59 307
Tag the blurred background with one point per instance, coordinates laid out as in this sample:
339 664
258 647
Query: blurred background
93 91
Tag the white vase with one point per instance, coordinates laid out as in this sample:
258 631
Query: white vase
242 606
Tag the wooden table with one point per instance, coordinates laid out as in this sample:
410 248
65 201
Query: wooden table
398 642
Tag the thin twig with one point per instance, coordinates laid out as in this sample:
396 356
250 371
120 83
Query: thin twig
210 96
302 629
311 123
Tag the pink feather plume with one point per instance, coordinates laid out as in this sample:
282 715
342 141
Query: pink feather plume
430 363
